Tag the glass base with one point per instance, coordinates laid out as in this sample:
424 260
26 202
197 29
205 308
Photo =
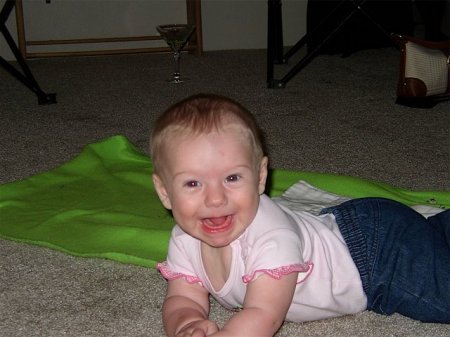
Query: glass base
178 79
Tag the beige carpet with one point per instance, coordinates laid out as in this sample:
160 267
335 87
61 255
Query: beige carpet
338 115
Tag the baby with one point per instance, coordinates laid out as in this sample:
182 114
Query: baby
269 263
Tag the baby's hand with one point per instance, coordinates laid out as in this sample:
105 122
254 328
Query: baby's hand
201 328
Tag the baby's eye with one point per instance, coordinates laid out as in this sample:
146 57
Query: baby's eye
192 183
232 178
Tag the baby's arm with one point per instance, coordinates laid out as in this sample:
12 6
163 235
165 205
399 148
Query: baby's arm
266 304
186 309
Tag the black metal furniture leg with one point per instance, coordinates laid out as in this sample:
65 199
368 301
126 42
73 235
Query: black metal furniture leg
313 53
281 83
302 42
274 39
26 77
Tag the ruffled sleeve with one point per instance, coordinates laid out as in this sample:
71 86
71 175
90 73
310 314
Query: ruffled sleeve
273 246
170 275
304 271
182 258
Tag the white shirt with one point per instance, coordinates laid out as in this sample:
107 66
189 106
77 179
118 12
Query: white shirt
280 241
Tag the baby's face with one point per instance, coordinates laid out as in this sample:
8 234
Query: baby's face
212 184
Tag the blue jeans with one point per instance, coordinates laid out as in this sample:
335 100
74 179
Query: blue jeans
403 258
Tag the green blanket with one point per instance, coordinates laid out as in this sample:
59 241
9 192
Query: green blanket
103 204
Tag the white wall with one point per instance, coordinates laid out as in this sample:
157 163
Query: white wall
242 24
227 24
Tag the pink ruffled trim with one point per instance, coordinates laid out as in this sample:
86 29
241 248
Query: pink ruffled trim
170 275
278 273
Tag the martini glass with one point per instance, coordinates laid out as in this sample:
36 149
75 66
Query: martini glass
176 36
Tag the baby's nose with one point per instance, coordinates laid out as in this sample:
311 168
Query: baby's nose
215 196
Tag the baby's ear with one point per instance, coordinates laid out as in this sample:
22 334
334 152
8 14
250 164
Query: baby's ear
263 167
161 190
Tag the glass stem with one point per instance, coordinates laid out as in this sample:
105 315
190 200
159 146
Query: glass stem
176 73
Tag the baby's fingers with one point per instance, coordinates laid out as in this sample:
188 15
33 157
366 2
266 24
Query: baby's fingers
198 333
211 328
201 328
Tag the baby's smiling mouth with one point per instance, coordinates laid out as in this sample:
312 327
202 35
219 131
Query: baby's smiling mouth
217 224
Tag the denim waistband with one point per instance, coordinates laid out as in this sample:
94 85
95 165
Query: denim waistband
348 224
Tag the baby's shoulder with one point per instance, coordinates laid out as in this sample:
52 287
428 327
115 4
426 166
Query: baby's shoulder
270 211
271 221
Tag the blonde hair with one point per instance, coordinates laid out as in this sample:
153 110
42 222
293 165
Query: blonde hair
199 114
